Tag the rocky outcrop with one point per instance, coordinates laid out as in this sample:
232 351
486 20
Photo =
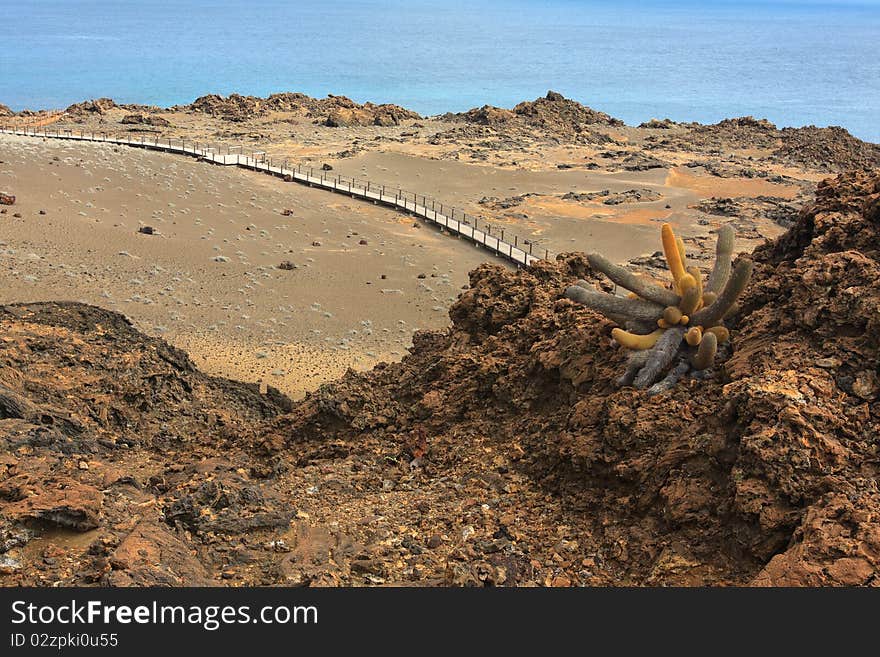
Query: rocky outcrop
86 451
553 114
828 149
5 111
343 112
97 106
234 107
659 124
822 149
608 197
485 115
333 111
140 118
556 113
779 210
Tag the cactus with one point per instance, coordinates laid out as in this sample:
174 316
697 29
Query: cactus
705 355
720 332
615 307
626 279
672 377
673 255
634 363
672 315
693 336
690 300
737 282
634 341
661 326
661 355
723 257
695 273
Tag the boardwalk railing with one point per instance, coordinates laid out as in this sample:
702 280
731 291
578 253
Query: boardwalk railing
447 217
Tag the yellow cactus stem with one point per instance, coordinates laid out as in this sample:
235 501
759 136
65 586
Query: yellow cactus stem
662 323
632 295
689 300
684 320
698 281
709 298
671 316
681 252
673 256
685 283
636 342
694 336
720 332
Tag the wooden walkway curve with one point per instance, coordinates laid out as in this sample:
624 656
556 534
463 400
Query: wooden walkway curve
428 209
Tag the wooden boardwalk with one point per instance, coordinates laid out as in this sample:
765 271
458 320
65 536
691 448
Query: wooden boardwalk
426 208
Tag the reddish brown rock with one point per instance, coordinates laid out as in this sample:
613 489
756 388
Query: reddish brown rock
152 556
62 502
97 106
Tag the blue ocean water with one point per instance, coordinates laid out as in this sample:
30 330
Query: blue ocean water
793 62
